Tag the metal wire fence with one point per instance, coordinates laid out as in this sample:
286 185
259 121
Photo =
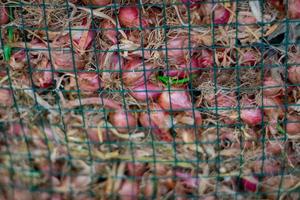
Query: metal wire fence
150 99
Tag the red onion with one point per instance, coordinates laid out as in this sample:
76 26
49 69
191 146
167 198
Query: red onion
294 9
88 81
251 116
184 69
250 183
109 103
179 98
160 122
16 129
272 107
129 17
221 15
190 118
223 100
249 58
141 94
129 190
274 147
293 124
294 74
111 68
135 73
271 87
205 61
178 50
278 4
109 31
4 18
6 97
136 169
82 37
188 180
97 2
63 60
95 136
123 121
271 167
42 77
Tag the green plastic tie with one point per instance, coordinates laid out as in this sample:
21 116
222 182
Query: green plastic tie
173 81
7 48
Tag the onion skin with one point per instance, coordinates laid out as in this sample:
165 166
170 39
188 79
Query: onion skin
97 2
184 69
293 125
205 61
223 100
123 121
249 58
189 118
4 18
6 97
63 60
83 39
294 73
160 122
271 87
278 4
110 69
18 60
88 81
180 100
188 180
141 94
136 169
129 190
252 117
294 9
221 15
109 31
134 73
129 17
43 79
274 147
250 183
272 107
178 50
271 167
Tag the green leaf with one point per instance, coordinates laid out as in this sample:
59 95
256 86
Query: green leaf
280 129
7 52
10 29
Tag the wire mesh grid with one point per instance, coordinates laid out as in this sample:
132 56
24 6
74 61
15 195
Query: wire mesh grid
168 99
